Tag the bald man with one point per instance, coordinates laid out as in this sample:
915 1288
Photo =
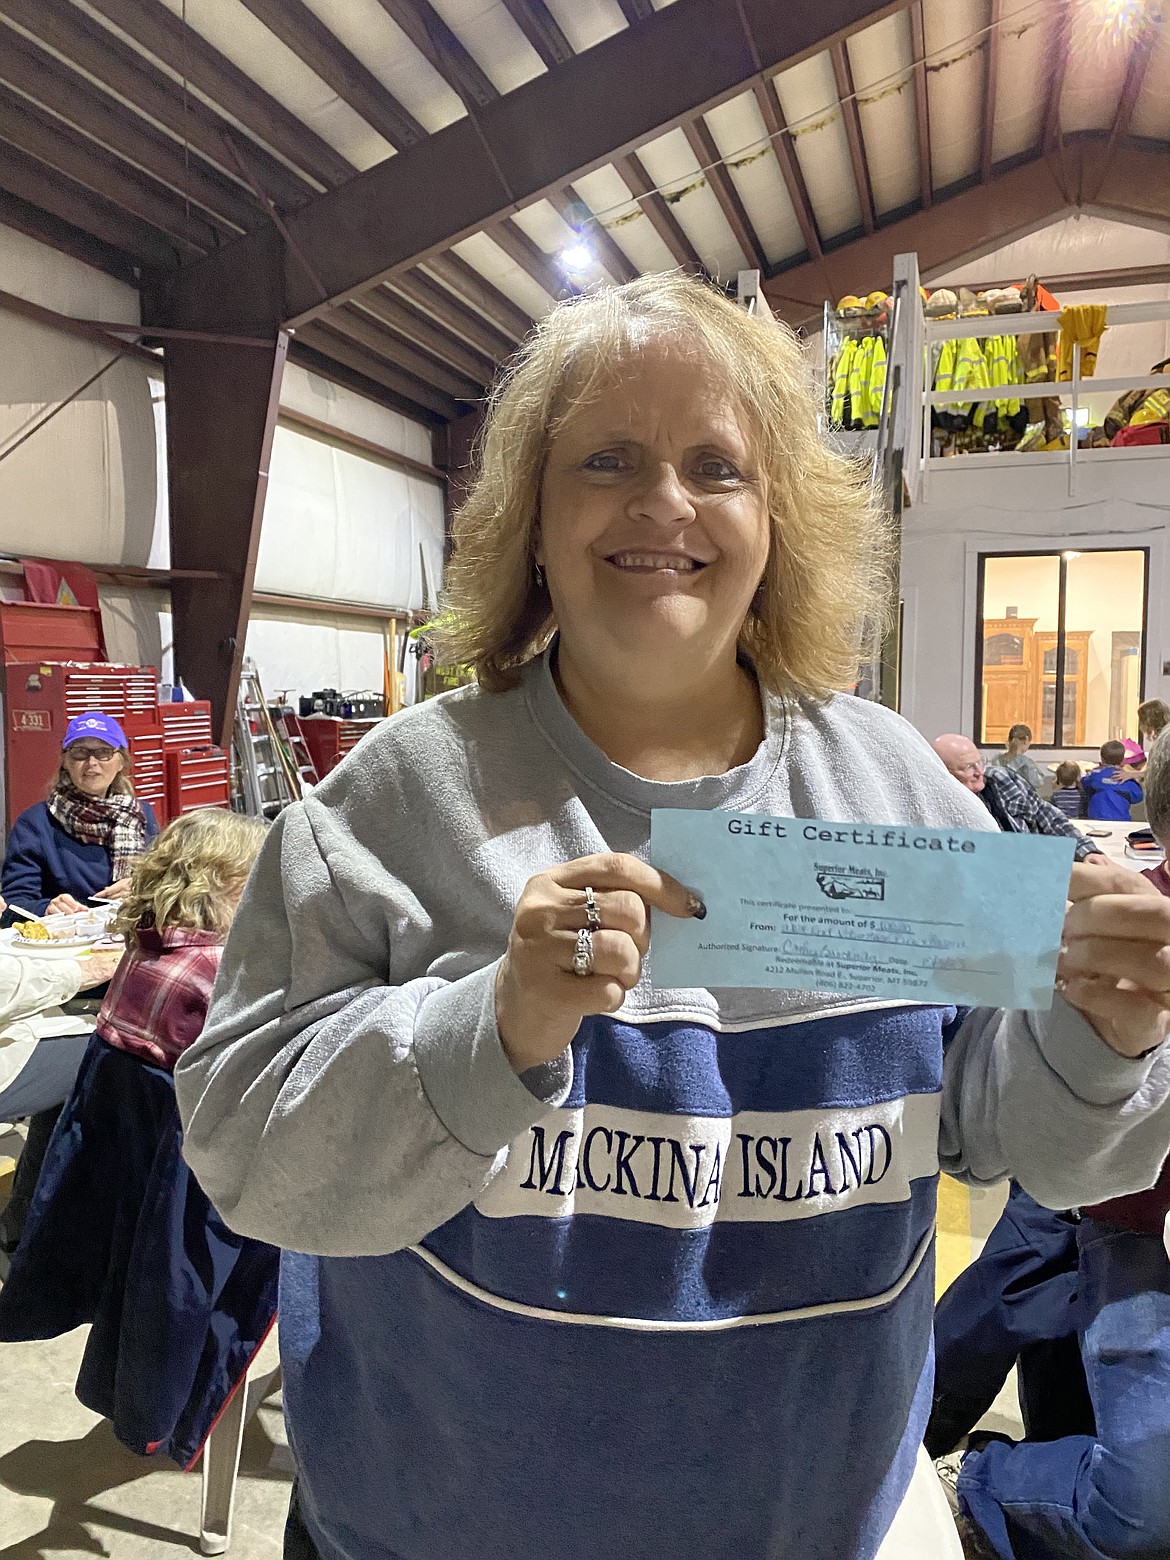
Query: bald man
1010 801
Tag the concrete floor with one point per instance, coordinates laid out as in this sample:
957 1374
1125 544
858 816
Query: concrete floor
68 1490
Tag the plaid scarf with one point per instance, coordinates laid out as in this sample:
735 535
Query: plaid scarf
115 821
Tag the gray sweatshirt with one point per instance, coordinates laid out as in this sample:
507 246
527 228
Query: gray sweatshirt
731 1191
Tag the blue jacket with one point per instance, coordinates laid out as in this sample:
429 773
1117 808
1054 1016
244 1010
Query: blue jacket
120 1234
44 860
1108 798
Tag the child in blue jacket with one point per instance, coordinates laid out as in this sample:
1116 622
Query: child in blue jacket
1107 797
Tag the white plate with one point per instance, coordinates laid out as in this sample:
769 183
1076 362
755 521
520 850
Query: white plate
70 946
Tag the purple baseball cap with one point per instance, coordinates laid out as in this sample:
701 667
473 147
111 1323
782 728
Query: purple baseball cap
94 724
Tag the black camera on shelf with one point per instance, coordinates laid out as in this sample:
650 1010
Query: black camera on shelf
343 706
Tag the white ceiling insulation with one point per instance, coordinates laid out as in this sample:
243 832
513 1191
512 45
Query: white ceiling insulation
881 59
1152 115
742 141
808 97
1098 54
1025 42
586 23
247 43
956 40
502 271
493 40
675 169
374 38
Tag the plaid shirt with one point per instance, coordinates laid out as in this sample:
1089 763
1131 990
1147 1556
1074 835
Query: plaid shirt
158 998
1030 814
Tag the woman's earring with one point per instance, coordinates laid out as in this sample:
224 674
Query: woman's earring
539 577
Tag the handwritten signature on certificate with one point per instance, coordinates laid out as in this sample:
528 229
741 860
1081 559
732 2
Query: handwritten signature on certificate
857 909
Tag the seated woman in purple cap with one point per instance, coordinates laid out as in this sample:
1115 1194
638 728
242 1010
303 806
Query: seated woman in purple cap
81 842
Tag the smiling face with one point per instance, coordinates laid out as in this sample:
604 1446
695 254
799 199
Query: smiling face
654 528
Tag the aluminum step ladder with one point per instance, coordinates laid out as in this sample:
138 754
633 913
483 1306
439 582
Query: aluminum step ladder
267 773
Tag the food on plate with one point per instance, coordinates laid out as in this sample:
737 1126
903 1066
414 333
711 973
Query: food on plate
33 931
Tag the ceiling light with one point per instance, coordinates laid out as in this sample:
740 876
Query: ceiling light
576 259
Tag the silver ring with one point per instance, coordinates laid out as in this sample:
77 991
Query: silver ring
592 913
583 958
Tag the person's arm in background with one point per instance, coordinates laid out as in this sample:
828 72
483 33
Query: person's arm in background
29 985
23 879
1064 1102
323 1109
1033 774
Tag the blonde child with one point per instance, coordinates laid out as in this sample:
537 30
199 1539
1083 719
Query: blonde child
1067 795
183 894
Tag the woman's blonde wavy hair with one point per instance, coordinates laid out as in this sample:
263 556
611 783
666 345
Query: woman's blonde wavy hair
191 875
826 580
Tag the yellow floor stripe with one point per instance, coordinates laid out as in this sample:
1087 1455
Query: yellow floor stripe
955 1250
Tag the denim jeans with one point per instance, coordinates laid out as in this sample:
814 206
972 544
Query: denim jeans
1017 1304
1107 1495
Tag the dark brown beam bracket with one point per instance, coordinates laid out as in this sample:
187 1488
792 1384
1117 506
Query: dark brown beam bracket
311 41
222 405
702 143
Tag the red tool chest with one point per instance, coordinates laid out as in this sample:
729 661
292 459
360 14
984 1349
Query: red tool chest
329 739
197 777
186 725
150 770
41 698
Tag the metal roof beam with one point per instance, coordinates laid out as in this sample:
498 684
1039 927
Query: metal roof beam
921 105
418 327
975 221
847 93
435 41
452 313
33 131
466 282
75 234
326 367
785 153
531 259
990 90
311 41
37 75
371 365
354 321
186 52
636 11
472 173
92 48
702 143
657 208
542 30
1057 70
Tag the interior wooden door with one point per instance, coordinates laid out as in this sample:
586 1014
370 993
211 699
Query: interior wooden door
1009 675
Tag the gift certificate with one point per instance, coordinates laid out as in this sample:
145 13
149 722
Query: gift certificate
870 910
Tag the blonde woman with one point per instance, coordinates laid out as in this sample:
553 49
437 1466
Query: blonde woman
119 1234
628 1280
1015 757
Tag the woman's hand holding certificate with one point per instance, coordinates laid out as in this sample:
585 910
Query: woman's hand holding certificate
1114 964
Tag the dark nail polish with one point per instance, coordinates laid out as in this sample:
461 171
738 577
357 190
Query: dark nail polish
697 908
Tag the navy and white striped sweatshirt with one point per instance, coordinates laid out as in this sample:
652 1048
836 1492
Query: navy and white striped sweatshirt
671 1295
